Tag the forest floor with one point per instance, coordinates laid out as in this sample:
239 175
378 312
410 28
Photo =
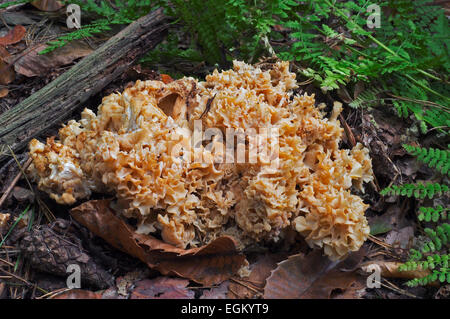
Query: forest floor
36 222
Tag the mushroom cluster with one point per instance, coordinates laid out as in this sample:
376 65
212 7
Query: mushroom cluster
142 146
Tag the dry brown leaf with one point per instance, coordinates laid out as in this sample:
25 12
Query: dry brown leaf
389 269
162 288
344 95
219 292
7 74
260 270
312 277
47 5
78 294
13 36
210 264
3 92
359 87
34 64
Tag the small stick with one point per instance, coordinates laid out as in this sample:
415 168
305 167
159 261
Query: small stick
29 284
208 105
246 286
54 293
379 242
14 182
15 276
6 262
348 131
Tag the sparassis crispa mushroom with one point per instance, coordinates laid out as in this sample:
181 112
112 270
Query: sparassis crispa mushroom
139 148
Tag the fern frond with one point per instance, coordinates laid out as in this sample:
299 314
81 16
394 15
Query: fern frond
419 190
369 97
433 157
429 214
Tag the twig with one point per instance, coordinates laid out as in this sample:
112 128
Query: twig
208 105
16 277
22 280
379 242
6 262
255 290
348 131
393 287
14 182
54 293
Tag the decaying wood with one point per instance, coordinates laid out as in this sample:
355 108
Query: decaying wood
55 102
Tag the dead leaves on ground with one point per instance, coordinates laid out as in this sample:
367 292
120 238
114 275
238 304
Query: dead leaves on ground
253 285
47 5
314 276
13 36
78 294
299 276
162 288
29 62
389 269
7 74
34 64
208 265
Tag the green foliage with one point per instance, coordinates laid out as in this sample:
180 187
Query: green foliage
222 30
419 190
433 253
122 12
413 38
430 257
438 264
12 3
407 57
429 214
369 97
434 158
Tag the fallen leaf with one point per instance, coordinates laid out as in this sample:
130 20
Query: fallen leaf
22 194
359 87
3 92
34 64
355 291
16 18
219 292
402 238
162 288
312 276
126 283
260 270
389 269
344 95
78 294
13 36
47 5
210 264
7 74
379 225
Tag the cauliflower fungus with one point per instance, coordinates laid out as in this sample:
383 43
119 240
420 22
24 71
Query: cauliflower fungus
139 147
